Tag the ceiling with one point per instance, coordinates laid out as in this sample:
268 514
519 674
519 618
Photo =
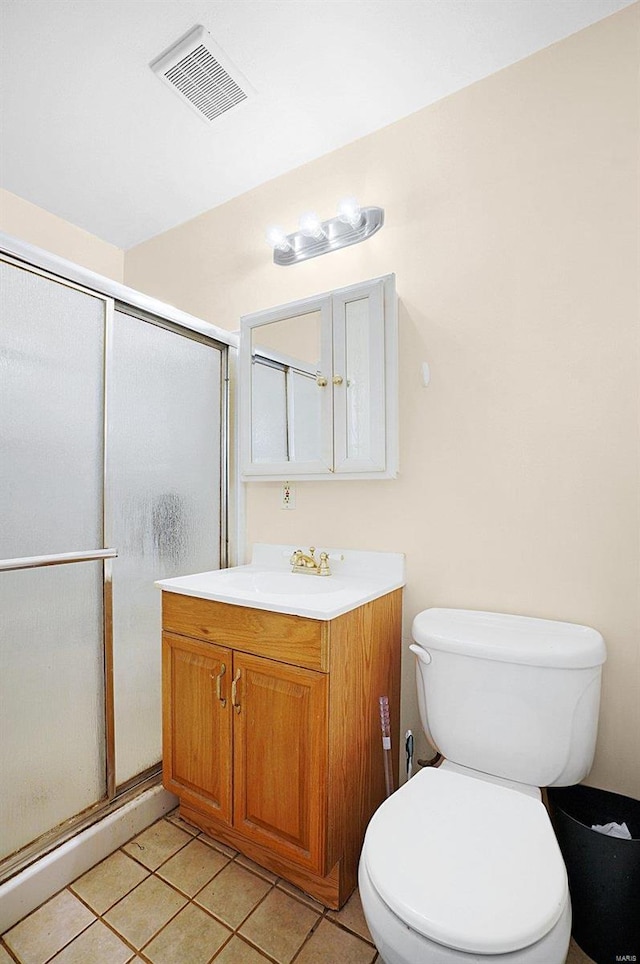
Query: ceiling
91 134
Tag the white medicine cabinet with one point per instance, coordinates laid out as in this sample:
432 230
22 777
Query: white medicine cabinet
319 386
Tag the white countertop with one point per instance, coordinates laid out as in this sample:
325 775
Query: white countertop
267 582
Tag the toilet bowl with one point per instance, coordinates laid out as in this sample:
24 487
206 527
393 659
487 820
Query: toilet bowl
458 867
461 864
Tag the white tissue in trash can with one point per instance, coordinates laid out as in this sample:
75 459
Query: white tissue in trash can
613 830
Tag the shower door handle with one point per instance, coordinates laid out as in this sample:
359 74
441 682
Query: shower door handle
56 559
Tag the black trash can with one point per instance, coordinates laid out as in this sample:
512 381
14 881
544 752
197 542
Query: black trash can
603 871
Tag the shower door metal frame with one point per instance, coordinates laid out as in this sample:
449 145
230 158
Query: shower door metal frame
115 796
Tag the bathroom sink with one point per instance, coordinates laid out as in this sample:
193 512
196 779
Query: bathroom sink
280 583
296 584
267 582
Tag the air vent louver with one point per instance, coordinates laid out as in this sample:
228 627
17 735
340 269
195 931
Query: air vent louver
199 72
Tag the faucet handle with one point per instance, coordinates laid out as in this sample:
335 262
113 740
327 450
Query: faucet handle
323 567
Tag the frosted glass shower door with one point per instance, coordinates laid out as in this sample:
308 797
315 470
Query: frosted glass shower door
163 490
112 476
51 415
52 712
52 748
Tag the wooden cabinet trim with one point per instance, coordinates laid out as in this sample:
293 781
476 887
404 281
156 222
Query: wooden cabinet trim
365 665
290 639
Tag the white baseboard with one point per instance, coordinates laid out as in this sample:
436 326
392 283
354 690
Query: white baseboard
30 888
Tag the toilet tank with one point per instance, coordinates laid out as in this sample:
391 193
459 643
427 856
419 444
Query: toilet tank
511 696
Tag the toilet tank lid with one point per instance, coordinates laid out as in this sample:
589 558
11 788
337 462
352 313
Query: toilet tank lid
509 639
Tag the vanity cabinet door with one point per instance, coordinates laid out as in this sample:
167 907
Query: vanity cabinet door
197 725
280 754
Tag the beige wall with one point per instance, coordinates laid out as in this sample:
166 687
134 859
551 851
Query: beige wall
33 224
512 226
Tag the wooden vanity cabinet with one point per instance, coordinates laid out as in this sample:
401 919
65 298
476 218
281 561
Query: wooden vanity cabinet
271 733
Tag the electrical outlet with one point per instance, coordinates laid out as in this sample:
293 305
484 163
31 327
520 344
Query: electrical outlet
288 496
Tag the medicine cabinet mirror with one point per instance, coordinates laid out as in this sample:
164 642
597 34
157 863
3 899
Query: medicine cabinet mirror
319 386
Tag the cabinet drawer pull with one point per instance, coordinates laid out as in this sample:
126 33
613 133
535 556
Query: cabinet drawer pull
218 679
235 702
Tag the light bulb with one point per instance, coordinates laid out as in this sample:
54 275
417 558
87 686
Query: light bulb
311 225
349 211
277 238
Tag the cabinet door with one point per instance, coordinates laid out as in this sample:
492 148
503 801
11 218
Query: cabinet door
285 397
280 754
197 724
359 378
319 386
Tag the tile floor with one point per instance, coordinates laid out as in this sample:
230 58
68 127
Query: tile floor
174 896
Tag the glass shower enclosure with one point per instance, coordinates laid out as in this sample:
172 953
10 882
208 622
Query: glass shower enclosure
112 475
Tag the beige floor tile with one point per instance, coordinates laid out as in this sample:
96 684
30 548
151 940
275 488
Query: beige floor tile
229 851
157 843
193 867
329 944
142 913
233 894
300 894
96 945
237 952
193 936
279 925
38 937
104 885
352 917
5 957
256 868
576 955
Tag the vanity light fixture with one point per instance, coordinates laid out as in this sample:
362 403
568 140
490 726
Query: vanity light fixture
311 226
314 237
277 238
350 212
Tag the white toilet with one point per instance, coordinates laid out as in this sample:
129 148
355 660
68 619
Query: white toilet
461 863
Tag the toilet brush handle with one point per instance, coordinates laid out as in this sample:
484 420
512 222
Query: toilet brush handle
385 724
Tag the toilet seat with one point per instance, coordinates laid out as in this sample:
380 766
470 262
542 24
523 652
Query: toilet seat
469 864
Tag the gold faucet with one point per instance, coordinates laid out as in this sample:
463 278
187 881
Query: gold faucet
308 564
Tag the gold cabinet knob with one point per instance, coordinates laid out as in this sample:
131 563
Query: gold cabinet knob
321 381
337 379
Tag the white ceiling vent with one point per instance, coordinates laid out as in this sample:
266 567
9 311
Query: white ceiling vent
201 75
